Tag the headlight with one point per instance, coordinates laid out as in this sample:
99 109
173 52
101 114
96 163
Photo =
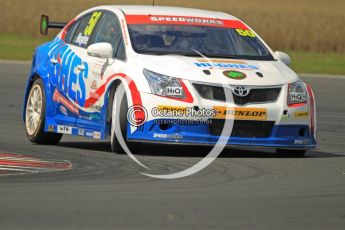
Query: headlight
297 93
163 85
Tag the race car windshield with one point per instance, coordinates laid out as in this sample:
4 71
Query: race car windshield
190 40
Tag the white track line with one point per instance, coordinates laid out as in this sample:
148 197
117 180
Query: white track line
29 160
17 169
24 167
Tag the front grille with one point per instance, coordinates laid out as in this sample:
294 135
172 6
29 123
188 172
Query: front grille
256 95
248 129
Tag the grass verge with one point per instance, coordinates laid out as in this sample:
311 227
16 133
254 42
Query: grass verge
312 62
19 47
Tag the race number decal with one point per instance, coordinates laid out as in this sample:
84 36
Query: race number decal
93 20
245 33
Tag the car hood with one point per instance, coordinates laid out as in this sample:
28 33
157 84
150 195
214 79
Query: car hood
260 73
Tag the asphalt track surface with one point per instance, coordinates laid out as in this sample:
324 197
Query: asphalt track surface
240 190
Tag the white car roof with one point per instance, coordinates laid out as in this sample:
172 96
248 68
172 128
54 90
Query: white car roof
167 10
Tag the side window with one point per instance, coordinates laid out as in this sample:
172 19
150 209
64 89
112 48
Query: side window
109 30
121 53
71 32
85 28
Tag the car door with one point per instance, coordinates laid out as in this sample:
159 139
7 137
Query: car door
62 107
71 70
94 111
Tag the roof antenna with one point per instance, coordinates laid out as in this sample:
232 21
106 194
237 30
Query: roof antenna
153 2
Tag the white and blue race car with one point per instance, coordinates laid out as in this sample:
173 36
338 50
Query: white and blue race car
165 75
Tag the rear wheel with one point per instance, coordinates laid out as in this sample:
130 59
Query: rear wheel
35 117
290 153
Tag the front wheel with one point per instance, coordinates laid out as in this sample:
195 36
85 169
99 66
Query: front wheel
35 117
118 119
119 122
290 153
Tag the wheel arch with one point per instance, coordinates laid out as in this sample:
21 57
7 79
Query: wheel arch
109 103
32 78
30 81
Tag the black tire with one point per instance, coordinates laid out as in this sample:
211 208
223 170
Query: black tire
37 135
122 117
290 153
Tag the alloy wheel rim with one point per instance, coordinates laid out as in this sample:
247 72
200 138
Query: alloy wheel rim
34 110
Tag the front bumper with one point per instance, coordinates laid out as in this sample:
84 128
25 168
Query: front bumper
281 127
281 136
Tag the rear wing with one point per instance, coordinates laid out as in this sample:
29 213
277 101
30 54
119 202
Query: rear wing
46 24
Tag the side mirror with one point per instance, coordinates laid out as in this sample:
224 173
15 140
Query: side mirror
285 58
101 50
44 24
